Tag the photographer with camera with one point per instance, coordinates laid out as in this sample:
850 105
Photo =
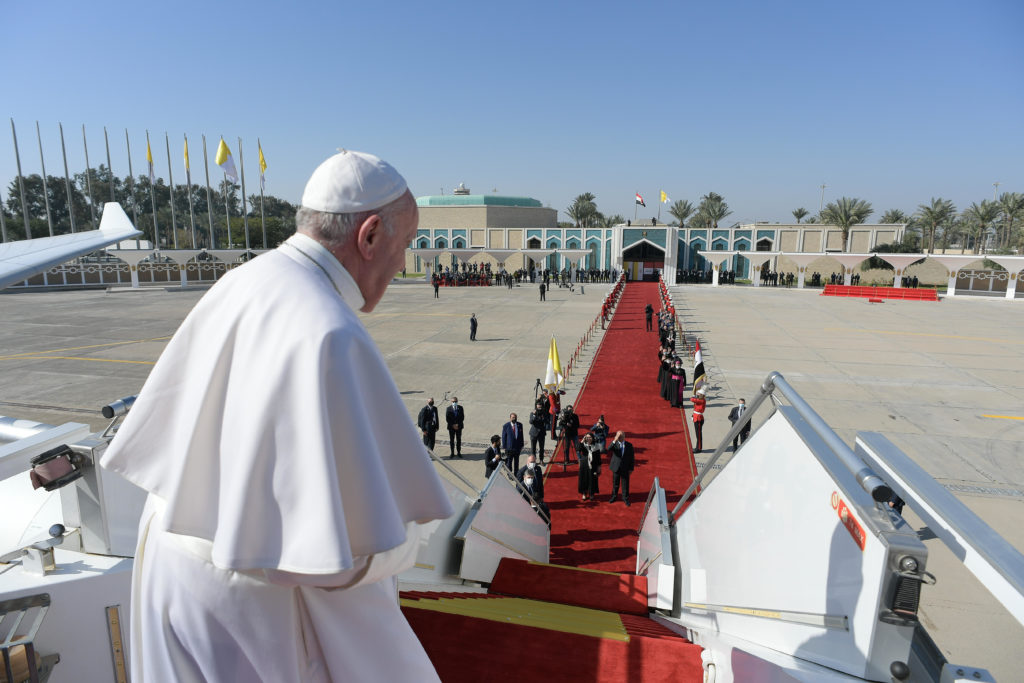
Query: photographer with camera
540 422
569 423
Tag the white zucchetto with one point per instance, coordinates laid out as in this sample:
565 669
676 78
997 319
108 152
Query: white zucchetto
350 182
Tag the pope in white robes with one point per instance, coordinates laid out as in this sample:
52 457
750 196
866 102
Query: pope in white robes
287 484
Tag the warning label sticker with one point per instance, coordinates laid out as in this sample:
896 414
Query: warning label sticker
848 520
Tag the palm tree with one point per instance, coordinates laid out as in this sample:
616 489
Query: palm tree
981 216
583 210
682 210
939 212
1012 206
612 221
713 208
844 213
892 217
799 214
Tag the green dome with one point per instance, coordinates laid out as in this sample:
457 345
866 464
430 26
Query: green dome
476 200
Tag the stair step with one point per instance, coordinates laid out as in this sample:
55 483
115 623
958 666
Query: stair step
601 590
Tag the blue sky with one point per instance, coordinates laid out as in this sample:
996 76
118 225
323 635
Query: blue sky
891 101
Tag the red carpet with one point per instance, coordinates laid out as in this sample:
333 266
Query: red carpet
467 649
622 593
483 636
622 384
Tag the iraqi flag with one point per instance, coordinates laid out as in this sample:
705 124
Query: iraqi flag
640 200
699 378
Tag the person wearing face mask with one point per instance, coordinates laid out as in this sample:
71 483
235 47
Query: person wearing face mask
428 423
531 480
735 415
455 416
539 423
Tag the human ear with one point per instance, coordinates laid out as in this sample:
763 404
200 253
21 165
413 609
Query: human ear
368 237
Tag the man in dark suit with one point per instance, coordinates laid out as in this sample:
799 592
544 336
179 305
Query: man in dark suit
648 315
543 289
472 327
621 464
493 458
428 423
455 416
531 482
735 415
512 440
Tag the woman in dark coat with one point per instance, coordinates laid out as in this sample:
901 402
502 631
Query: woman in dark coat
590 468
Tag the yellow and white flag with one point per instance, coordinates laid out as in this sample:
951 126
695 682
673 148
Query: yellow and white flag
263 166
553 375
186 155
226 161
664 197
149 160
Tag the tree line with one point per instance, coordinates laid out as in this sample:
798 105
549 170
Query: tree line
49 204
936 224
995 221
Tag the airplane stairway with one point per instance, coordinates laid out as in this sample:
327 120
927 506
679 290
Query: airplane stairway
549 622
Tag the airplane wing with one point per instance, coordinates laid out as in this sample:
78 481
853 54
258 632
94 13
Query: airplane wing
20 260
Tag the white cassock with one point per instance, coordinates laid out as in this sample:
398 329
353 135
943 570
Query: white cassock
287 486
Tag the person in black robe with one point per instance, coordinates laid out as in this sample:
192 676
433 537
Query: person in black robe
667 366
590 468
677 386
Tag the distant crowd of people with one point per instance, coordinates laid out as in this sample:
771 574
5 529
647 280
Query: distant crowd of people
482 275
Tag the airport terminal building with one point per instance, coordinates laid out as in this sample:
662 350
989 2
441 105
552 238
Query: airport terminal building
509 231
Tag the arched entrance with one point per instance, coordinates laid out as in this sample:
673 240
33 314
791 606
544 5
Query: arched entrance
643 261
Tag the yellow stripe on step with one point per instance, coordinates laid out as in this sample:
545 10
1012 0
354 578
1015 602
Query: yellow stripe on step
575 569
522 612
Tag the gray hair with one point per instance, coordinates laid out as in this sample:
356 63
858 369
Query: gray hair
334 229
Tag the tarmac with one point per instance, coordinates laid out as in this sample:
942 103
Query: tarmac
944 381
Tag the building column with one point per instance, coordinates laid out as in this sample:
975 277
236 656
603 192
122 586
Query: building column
182 275
801 272
755 276
714 276
1011 286
847 274
951 283
897 280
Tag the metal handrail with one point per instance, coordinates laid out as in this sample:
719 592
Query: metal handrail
533 501
997 564
452 470
647 505
865 476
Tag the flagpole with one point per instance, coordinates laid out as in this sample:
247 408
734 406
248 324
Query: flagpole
131 188
3 224
46 189
21 182
209 199
263 220
188 181
245 207
88 179
635 204
227 211
110 169
170 179
152 194
67 179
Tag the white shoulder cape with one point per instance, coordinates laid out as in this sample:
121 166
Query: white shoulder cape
271 427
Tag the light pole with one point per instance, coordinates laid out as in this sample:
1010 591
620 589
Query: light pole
821 203
995 192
